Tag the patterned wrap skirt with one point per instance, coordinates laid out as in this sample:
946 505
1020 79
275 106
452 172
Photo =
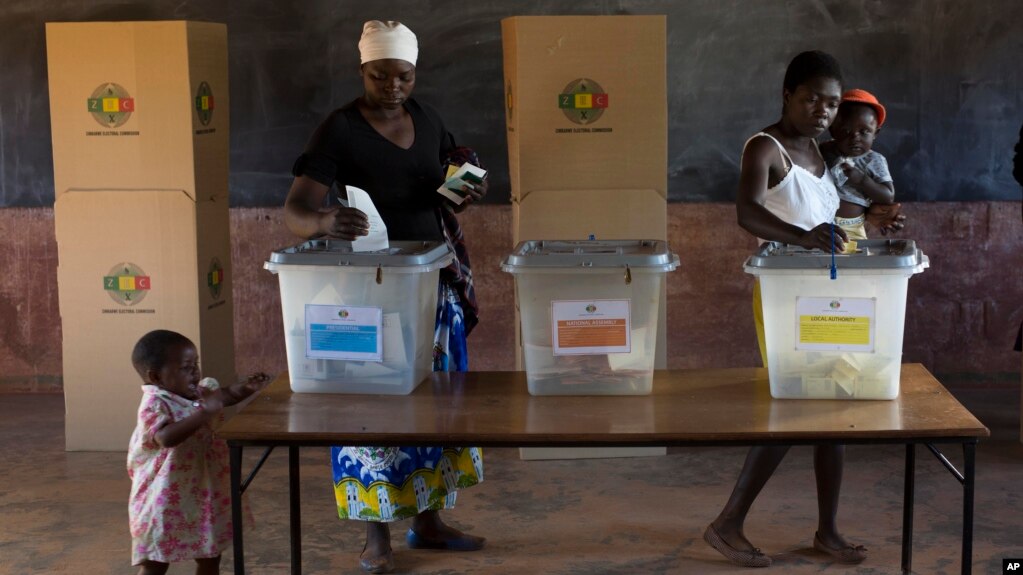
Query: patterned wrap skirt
385 484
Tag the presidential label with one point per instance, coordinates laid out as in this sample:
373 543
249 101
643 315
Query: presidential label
343 332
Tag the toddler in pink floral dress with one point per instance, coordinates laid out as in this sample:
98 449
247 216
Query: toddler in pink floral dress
180 505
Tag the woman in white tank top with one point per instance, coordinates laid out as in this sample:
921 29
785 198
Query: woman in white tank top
801 198
787 195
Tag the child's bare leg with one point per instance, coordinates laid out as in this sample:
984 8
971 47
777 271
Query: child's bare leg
153 568
208 566
761 461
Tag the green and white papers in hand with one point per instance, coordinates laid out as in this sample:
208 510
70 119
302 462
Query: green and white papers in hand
467 174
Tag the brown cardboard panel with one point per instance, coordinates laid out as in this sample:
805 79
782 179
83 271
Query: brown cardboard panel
208 80
140 131
129 263
123 99
215 280
576 214
586 102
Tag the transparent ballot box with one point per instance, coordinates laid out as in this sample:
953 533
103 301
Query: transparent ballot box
589 312
835 338
359 322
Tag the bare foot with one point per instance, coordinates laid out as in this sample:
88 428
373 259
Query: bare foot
744 557
376 556
833 539
733 536
842 552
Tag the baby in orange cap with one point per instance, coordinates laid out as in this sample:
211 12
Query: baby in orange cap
861 174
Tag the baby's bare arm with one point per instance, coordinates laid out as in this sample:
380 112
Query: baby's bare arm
880 192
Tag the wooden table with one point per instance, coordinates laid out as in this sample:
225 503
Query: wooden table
686 408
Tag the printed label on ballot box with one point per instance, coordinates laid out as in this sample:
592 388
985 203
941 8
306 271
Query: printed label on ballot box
835 324
343 332
591 327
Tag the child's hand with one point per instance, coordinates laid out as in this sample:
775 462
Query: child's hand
886 217
254 383
239 391
854 174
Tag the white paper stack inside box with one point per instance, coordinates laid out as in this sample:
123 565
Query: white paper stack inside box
140 130
835 338
359 322
590 312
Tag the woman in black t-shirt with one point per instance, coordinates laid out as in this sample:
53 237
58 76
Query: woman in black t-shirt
392 147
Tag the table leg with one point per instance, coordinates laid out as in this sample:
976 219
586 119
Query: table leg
969 455
236 508
294 489
907 509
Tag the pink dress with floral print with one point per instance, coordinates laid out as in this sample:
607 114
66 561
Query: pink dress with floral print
180 505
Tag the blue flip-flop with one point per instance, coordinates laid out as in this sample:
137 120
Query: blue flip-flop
461 543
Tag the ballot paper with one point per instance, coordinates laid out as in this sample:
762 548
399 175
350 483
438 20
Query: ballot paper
636 359
328 295
467 174
377 238
394 341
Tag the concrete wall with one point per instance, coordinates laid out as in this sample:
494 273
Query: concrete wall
961 319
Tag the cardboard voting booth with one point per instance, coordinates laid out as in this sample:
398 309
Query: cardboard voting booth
140 128
586 114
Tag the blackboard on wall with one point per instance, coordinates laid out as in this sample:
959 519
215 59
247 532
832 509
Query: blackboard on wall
948 71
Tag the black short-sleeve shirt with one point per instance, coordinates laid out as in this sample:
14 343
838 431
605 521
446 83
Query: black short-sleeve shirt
402 183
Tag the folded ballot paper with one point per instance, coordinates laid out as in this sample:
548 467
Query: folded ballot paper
377 238
458 177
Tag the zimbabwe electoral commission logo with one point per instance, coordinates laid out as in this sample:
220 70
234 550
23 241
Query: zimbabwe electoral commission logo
583 101
215 278
126 284
204 103
111 105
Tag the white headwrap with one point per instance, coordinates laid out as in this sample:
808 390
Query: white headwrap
387 40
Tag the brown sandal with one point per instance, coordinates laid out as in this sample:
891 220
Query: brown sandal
849 555
752 558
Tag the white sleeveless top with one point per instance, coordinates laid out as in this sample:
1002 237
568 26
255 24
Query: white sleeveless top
801 198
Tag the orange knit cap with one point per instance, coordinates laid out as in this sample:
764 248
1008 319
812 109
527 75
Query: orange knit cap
865 97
